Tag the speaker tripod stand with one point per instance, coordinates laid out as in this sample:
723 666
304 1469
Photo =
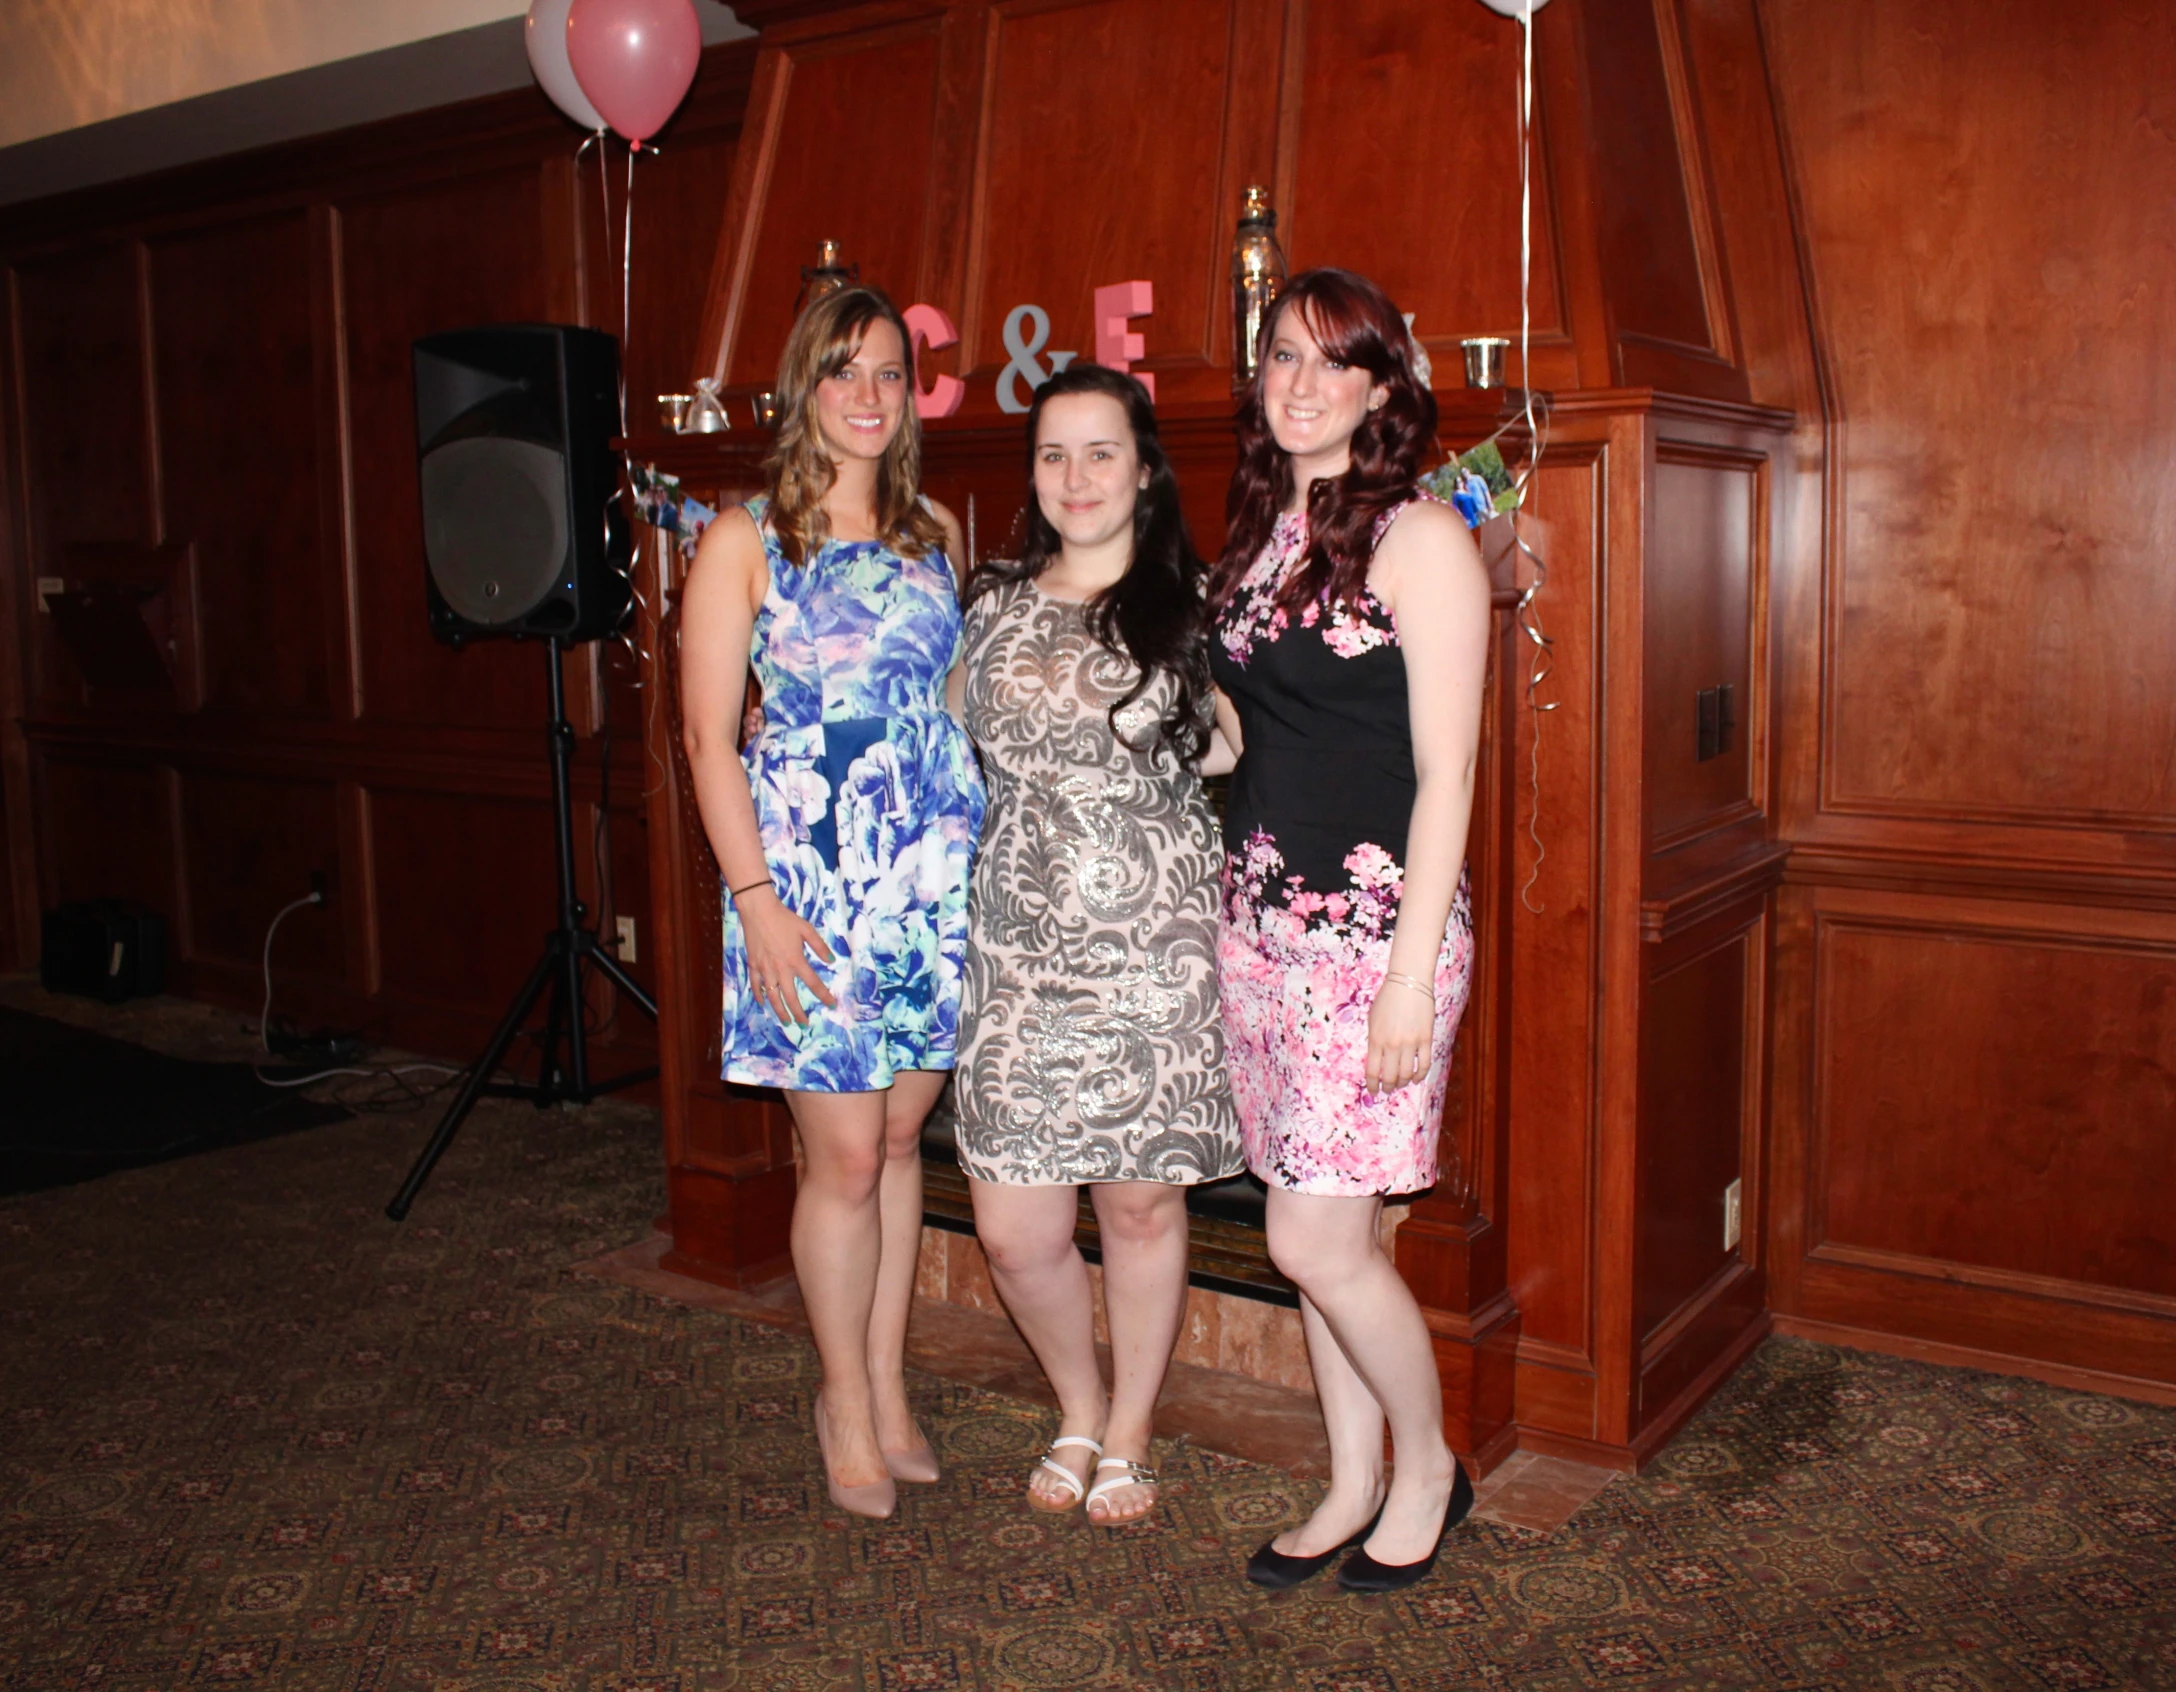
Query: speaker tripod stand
569 950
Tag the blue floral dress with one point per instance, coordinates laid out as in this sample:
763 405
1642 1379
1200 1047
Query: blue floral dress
869 804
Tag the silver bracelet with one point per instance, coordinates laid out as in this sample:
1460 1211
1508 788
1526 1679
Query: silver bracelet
1413 982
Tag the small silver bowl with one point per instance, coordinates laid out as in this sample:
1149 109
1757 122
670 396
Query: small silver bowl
1484 360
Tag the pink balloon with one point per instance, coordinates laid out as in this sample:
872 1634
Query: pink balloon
635 59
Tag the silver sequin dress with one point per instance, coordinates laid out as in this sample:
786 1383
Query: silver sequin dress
1091 1045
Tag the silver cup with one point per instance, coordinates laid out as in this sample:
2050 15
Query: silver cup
672 411
1484 360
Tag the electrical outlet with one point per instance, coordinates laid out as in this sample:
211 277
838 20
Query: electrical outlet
320 887
1731 1219
625 927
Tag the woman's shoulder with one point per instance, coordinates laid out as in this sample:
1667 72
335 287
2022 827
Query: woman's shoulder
737 529
995 591
1421 508
758 513
1424 534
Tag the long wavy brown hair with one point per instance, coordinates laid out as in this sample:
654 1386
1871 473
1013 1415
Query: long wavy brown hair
799 469
1354 322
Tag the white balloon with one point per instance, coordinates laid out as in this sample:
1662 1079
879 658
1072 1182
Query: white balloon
546 39
1515 8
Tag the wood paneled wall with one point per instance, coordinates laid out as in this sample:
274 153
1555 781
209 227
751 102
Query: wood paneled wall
1854 361
207 383
1975 1083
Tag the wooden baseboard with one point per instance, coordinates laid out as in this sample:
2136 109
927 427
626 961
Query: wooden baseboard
1972 1357
1493 1453
1573 1449
1681 1409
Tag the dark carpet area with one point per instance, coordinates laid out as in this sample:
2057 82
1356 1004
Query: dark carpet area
75 1104
251 1432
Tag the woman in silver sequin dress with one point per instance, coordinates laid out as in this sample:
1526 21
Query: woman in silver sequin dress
1091 1046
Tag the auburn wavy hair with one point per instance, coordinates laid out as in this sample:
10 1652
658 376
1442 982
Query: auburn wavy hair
1354 322
799 469
1154 614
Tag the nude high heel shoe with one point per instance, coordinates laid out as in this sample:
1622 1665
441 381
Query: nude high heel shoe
877 1499
917 1464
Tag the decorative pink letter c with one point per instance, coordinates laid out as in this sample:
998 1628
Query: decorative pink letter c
928 330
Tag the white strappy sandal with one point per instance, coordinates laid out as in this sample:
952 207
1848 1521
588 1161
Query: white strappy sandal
1074 1491
1130 1474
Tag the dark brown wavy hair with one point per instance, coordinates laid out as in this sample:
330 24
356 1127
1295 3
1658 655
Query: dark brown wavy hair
1154 614
1353 322
799 469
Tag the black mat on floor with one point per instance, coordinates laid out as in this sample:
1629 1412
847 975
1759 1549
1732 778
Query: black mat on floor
76 1105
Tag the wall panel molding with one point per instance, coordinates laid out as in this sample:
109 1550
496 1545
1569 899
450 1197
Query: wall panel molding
1971 1075
1970 1144
1954 1273
206 374
1991 640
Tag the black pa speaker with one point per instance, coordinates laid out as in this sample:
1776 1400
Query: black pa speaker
523 534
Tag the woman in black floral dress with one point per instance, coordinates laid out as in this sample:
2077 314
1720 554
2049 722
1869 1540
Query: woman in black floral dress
1352 635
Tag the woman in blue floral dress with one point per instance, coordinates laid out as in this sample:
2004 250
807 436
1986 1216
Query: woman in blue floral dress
845 832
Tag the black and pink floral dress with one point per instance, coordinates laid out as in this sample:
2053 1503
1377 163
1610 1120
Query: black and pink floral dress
1314 842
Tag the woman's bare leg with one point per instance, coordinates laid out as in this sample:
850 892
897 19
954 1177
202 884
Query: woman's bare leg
1329 1248
1027 1233
1354 1422
838 1247
1143 1224
899 1207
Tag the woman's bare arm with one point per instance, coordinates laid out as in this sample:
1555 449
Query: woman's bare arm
725 587
718 606
1227 725
1430 575
1218 758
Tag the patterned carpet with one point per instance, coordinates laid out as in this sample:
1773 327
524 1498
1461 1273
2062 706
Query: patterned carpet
252 1432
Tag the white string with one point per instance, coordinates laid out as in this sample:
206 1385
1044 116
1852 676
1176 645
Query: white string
654 701
1524 613
631 571
627 278
604 197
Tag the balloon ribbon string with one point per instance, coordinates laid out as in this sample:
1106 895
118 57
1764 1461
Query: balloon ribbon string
627 319
1525 614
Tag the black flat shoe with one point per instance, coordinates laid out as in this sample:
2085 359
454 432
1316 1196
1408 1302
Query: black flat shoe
1363 1573
1272 1568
